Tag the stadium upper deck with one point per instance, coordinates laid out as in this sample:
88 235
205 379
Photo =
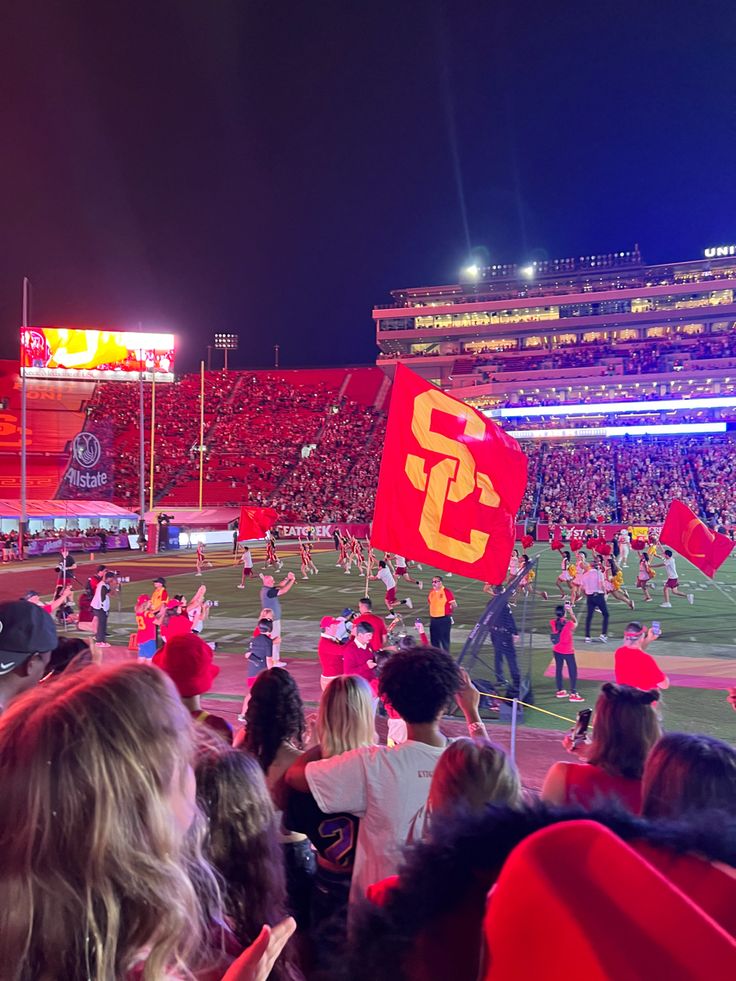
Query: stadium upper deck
567 322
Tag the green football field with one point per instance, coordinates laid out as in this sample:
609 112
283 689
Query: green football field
705 631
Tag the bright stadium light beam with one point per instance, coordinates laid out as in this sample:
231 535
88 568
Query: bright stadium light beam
611 408
527 271
472 271
676 429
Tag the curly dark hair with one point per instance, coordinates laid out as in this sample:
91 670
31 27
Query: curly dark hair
275 714
419 683
242 843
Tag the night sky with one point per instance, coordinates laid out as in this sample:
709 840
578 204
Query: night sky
275 168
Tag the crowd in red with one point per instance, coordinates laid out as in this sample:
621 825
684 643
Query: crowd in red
315 456
633 480
337 481
177 423
714 466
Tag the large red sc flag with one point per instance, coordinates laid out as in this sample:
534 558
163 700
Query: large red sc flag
255 522
450 485
690 537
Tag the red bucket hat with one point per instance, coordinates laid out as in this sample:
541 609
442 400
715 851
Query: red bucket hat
188 662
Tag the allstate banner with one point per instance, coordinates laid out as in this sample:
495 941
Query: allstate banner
90 473
450 485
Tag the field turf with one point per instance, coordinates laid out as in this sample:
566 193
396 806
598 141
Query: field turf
706 630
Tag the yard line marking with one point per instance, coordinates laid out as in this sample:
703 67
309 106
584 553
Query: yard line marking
724 593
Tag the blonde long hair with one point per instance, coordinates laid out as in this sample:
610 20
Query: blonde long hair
345 719
95 875
472 773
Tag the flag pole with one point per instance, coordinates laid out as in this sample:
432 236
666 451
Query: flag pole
153 438
142 446
23 428
201 429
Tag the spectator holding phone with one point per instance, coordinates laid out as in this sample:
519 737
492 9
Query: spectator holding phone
625 730
562 628
632 665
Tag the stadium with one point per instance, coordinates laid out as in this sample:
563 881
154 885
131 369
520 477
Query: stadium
616 379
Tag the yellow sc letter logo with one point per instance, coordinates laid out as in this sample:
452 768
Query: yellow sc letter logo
452 479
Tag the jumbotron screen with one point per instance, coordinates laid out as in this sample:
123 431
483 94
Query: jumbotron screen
72 352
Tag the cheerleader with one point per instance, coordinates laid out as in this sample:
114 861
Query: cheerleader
614 582
514 564
359 555
644 576
271 554
580 567
527 583
304 558
197 610
564 575
351 553
201 560
342 557
307 563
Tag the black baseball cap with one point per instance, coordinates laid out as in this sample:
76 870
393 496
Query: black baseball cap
160 580
25 630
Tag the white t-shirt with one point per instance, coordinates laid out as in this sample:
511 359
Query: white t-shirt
669 568
399 561
386 578
593 582
247 559
387 789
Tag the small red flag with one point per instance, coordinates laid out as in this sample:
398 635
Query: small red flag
450 485
684 532
255 522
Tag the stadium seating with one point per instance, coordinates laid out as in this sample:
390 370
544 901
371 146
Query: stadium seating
308 443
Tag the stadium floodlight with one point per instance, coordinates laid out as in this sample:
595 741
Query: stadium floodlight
226 342
527 271
614 408
472 271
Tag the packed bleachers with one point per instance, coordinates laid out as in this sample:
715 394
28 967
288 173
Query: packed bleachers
256 439
177 424
297 442
577 482
337 481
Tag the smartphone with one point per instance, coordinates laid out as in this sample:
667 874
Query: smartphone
581 726
656 629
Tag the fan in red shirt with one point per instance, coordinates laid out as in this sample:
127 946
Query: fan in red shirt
633 666
330 650
358 656
380 633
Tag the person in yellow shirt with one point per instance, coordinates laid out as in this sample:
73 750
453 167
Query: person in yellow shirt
441 604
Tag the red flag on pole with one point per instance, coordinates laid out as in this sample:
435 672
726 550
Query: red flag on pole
450 485
684 532
255 522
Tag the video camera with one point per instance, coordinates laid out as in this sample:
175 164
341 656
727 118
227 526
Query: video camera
117 576
211 602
